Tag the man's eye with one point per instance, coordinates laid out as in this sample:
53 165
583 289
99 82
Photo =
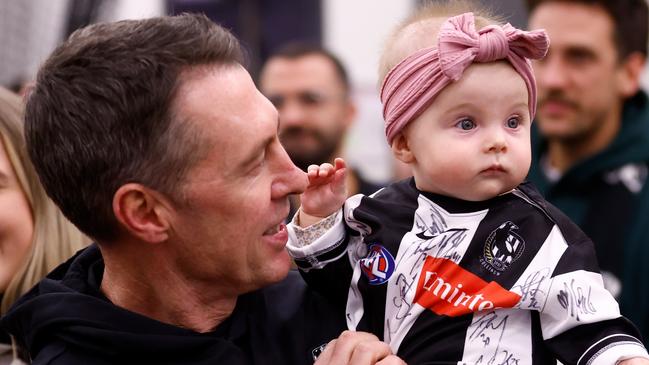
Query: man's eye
580 56
513 123
311 98
466 124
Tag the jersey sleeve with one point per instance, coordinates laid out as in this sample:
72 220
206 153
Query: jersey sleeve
316 246
581 321
323 253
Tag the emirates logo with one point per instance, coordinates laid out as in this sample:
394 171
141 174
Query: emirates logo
447 289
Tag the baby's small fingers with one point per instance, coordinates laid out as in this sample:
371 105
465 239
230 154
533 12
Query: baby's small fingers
339 163
325 169
312 169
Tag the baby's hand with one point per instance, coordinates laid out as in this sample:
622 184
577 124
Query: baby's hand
325 194
634 361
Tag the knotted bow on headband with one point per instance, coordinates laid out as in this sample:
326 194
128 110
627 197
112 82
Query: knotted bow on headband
411 86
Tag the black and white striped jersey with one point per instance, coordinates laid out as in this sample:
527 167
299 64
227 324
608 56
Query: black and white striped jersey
444 281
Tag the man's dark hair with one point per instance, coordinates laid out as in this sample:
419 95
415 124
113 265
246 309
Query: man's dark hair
101 113
297 50
629 20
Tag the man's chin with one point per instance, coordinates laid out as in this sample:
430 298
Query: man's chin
551 127
279 272
304 155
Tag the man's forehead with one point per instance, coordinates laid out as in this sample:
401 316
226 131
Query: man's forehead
235 119
223 99
573 22
202 89
307 72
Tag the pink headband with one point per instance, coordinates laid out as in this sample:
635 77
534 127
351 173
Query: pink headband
411 86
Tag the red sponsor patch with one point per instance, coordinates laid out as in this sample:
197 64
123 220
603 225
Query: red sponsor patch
447 289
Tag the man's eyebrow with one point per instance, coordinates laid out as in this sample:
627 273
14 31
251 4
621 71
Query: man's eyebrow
580 50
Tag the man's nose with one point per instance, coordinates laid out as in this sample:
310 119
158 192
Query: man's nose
551 73
291 180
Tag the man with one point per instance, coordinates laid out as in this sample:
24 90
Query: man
152 139
591 153
310 89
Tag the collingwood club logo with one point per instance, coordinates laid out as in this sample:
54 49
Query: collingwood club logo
502 248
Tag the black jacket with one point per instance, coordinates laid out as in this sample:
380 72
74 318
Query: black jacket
615 218
66 320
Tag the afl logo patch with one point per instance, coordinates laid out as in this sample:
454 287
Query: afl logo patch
378 265
503 247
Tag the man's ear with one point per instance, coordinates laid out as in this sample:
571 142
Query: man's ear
629 74
141 212
401 149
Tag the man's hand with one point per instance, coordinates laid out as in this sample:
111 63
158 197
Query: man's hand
358 348
325 194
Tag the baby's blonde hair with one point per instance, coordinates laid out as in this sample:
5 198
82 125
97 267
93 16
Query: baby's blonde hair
419 30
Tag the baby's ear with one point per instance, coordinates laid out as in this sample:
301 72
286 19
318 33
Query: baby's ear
401 149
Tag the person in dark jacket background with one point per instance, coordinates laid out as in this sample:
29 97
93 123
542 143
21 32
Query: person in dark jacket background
152 139
591 146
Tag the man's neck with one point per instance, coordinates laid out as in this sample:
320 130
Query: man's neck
163 294
565 153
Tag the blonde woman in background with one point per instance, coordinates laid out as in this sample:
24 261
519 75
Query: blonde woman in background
34 236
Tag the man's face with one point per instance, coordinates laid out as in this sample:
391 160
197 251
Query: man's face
578 81
313 106
229 227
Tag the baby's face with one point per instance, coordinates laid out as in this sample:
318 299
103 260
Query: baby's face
473 142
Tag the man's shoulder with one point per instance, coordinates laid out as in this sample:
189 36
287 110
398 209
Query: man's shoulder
291 299
290 311
285 296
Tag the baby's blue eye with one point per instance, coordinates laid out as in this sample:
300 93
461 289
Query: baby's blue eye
466 124
513 123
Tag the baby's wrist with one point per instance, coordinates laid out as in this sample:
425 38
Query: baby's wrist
306 219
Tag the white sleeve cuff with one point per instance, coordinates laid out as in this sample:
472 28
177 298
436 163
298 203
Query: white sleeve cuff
329 240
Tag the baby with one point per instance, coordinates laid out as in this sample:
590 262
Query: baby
463 263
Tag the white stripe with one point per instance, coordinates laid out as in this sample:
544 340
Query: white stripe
604 339
576 298
354 310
